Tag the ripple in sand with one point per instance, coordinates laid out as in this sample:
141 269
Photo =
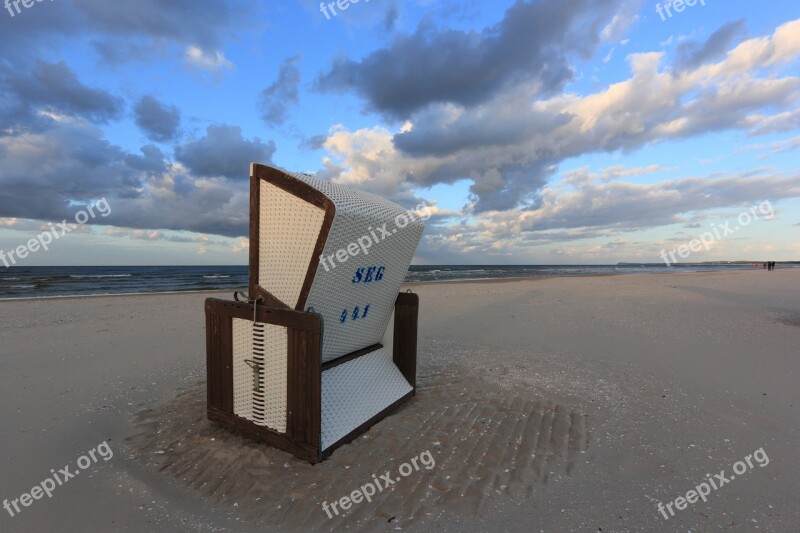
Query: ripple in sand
789 319
487 444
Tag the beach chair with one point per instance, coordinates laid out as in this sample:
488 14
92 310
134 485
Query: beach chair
325 346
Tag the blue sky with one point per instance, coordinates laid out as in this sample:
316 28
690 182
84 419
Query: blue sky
548 132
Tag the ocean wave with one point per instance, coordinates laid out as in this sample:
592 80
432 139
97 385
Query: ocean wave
23 286
100 276
216 276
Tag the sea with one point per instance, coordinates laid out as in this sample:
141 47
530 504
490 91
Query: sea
39 282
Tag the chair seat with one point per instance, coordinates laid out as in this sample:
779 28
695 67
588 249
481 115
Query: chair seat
355 392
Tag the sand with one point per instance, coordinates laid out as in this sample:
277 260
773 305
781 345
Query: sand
559 404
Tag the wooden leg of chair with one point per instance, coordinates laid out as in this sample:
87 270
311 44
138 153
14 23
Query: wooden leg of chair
405 336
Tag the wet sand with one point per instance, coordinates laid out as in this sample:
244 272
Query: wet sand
551 404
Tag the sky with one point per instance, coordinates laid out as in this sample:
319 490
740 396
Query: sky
538 132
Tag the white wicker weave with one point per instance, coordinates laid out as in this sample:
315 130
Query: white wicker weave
355 314
265 347
242 373
289 226
354 392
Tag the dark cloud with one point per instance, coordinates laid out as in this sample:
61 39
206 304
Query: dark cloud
117 51
510 185
218 208
315 142
136 25
284 91
200 22
46 175
159 121
224 152
151 161
42 172
436 132
54 87
42 28
692 54
531 44
390 20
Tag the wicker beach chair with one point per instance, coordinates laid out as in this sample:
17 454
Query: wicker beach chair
326 346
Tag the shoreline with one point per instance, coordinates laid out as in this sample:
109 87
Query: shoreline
405 284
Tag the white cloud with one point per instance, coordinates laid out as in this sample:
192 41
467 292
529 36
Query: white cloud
763 125
587 206
240 245
775 148
509 145
213 62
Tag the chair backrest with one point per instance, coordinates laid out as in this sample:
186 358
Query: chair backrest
318 245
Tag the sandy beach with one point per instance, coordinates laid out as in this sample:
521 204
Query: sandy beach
558 404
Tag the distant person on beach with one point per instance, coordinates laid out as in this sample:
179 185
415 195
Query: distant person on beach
765 265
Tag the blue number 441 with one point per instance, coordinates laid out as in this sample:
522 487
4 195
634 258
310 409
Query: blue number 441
355 314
